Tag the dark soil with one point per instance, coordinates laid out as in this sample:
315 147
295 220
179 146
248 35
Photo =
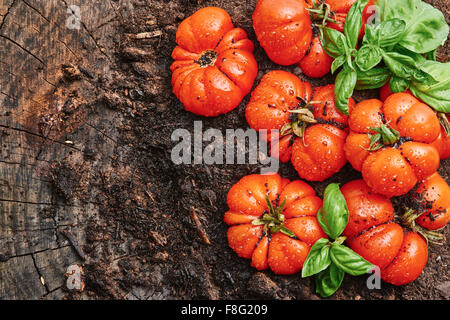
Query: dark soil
146 244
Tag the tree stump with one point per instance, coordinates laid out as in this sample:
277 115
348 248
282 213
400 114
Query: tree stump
53 55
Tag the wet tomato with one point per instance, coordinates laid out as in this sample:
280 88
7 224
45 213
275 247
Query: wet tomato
316 62
286 30
311 133
429 204
283 29
273 222
371 232
268 109
214 66
318 151
390 143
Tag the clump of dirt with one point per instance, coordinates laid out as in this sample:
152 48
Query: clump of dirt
145 244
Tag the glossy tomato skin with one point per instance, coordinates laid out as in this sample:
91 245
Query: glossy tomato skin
379 245
326 111
372 234
433 197
393 170
366 208
270 103
214 66
409 262
279 252
385 92
283 28
442 144
320 154
316 62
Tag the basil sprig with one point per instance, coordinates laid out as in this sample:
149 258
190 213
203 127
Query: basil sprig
331 260
397 48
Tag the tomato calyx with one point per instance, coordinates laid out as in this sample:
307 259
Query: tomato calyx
274 220
409 220
384 136
303 116
321 13
207 58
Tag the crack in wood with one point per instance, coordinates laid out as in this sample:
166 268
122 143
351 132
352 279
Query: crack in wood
6 14
41 277
50 23
35 252
92 37
23 48
40 136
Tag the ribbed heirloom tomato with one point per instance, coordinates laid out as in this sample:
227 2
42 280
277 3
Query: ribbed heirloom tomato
400 255
429 204
214 65
442 142
268 109
288 30
273 222
283 29
390 143
311 133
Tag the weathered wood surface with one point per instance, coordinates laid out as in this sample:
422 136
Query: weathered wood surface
35 42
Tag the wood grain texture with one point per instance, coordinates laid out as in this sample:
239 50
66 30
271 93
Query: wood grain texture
35 45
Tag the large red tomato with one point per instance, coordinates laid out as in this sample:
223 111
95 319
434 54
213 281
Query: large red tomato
371 232
403 128
273 222
283 29
214 65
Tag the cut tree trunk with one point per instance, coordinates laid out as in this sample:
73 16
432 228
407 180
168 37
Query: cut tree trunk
52 62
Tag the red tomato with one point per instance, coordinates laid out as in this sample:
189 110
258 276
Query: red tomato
317 62
270 103
409 262
394 169
442 144
318 153
266 246
283 29
433 199
372 234
214 65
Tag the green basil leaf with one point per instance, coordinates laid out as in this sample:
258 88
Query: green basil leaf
335 209
391 32
417 62
348 260
397 84
436 95
328 281
318 258
372 79
344 85
353 22
323 222
368 57
335 43
400 65
371 35
338 62
426 28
